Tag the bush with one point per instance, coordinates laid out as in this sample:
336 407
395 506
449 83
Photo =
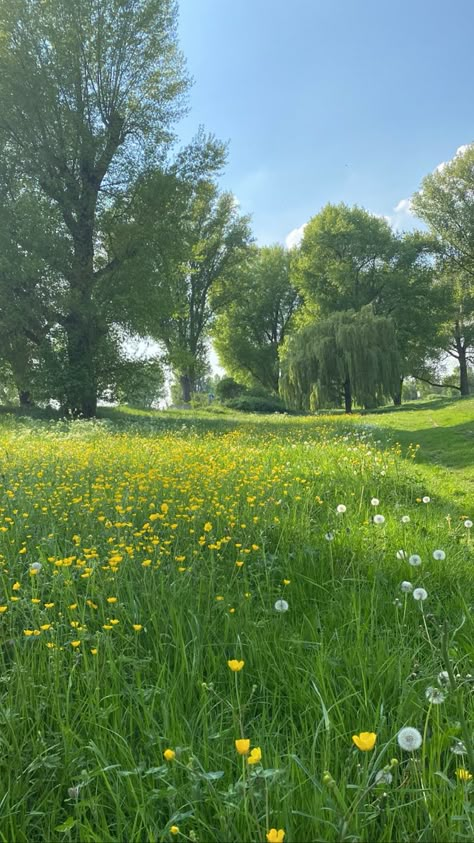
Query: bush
256 404
228 388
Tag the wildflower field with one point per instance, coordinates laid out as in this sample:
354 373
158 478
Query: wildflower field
232 629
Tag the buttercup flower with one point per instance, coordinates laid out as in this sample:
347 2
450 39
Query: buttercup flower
409 739
463 775
365 741
235 665
169 754
242 746
174 829
255 756
275 836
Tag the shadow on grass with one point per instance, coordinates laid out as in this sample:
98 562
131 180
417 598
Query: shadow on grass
451 446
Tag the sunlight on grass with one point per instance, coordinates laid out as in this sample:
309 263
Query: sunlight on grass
224 631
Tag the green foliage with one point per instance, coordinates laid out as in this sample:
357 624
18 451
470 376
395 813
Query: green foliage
350 353
255 308
446 203
249 403
229 388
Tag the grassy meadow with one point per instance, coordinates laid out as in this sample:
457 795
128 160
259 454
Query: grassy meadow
174 583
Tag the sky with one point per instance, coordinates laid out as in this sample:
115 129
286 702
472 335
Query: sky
328 100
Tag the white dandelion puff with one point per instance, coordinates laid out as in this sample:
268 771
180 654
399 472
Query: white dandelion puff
401 554
379 519
415 560
375 501
405 519
36 566
468 523
435 696
439 555
406 587
281 606
458 748
443 678
426 499
341 509
409 739
383 777
329 537
420 594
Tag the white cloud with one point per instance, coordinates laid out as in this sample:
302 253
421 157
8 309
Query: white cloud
402 216
295 237
460 151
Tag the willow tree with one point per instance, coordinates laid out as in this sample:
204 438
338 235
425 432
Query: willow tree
349 356
88 93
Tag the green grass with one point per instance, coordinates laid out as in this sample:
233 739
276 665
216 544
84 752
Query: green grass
141 519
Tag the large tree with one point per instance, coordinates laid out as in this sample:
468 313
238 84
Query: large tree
350 355
88 92
214 240
255 309
446 203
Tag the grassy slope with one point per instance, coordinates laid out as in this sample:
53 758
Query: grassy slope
345 657
444 430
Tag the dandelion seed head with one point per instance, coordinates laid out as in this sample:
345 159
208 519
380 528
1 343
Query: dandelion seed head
439 555
401 554
409 739
379 519
443 678
281 606
341 509
375 501
406 586
420 594
329 537
414 560
405 519
426 499
434 695
468 523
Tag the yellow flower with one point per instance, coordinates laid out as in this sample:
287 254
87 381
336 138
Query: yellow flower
48 605
207 527
463 775
3 609
75 643
111 599
45 626
137 627
16 586
235 665
255 756
274 836
94 651
174 829
365 741
35 600
169 754
28 632
242 746
146 563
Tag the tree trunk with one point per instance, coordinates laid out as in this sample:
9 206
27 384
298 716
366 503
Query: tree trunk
25 398
347 396
463 371
186 387
81 321
397 397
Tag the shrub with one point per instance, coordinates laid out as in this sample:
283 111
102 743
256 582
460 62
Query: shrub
256 404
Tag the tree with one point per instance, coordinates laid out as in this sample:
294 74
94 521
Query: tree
343 259
88 92
350 355
215 238
255 309
446 203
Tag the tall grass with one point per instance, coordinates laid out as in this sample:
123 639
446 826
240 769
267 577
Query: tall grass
163 550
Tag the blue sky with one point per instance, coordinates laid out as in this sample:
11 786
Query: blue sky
328 101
